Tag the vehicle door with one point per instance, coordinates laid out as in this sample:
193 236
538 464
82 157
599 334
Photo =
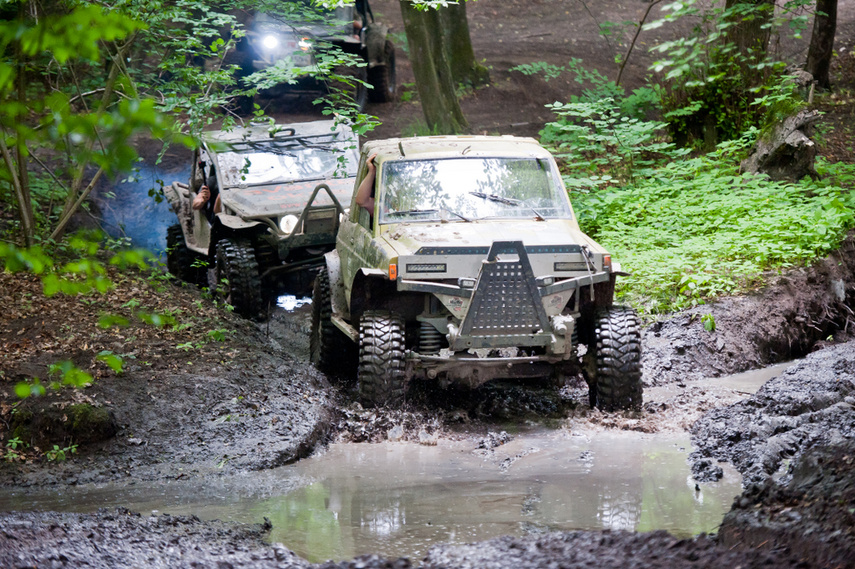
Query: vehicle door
354 236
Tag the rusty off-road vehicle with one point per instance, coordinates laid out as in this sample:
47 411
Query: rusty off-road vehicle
280 189
471 267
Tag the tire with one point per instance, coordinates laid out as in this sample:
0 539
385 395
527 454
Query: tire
382 382
616 382
383 78
354 88
236 277
329 349
180 260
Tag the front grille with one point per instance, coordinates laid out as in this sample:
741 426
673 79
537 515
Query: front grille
505 301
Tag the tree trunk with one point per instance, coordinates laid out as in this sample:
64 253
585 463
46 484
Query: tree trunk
434 79
458 47
822 42
749 33
25 205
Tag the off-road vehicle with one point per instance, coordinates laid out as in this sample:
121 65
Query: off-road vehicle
471 267
280 189
274 40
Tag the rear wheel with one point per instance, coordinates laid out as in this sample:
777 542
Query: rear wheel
329 349
236 278
383 77
382 380
615 381
181 262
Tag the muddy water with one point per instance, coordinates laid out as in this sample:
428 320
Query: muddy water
398 498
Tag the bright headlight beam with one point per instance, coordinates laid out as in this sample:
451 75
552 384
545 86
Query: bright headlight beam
270 41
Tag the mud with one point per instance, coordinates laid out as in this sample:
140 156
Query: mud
810 404
812 515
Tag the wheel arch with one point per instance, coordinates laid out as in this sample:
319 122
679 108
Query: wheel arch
231 226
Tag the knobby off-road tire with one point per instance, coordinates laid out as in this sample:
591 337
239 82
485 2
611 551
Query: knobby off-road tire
383 78
329 349
180 259
381 359
354 88
617 377
236 277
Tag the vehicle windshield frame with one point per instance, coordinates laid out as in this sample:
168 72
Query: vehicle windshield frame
456 199
285 160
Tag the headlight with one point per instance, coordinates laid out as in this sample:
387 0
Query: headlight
287 223
270 42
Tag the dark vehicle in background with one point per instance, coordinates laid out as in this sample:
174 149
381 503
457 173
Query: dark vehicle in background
296 47
280 190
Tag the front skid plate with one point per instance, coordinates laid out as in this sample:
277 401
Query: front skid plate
473 371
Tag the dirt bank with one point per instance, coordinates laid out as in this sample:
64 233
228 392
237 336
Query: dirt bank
811 404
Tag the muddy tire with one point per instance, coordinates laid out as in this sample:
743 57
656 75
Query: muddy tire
616 379
353 87
382 382
236 278
329 349
383 78
179 259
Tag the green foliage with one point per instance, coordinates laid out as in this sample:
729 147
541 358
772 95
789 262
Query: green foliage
708 321
601 146
218 335
14 449
59 454
696 228
69 374
114 362
715 89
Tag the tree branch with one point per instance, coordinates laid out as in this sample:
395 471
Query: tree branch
634 39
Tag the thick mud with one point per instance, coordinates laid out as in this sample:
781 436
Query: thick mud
810 404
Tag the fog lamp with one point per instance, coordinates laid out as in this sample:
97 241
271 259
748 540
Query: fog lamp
288 223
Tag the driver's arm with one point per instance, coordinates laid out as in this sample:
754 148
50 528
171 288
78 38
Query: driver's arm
365 192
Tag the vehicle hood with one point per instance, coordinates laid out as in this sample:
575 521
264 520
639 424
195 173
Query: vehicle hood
410 239
282 199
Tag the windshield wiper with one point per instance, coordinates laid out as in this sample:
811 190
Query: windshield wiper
495 198
425 211
508 201
411 212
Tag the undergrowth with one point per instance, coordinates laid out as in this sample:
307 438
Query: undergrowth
696 228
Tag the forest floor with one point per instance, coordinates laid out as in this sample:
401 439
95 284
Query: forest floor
190 405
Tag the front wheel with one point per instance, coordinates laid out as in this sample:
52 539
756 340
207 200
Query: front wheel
382 381
351 84
236 279
615 355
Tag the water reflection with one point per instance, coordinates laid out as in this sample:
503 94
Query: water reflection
398 499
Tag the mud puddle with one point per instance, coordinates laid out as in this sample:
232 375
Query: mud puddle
399 498
741 384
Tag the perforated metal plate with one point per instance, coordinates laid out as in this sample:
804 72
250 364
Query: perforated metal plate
505 301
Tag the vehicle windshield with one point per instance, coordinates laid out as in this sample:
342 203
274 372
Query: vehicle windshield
466 189
290 160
